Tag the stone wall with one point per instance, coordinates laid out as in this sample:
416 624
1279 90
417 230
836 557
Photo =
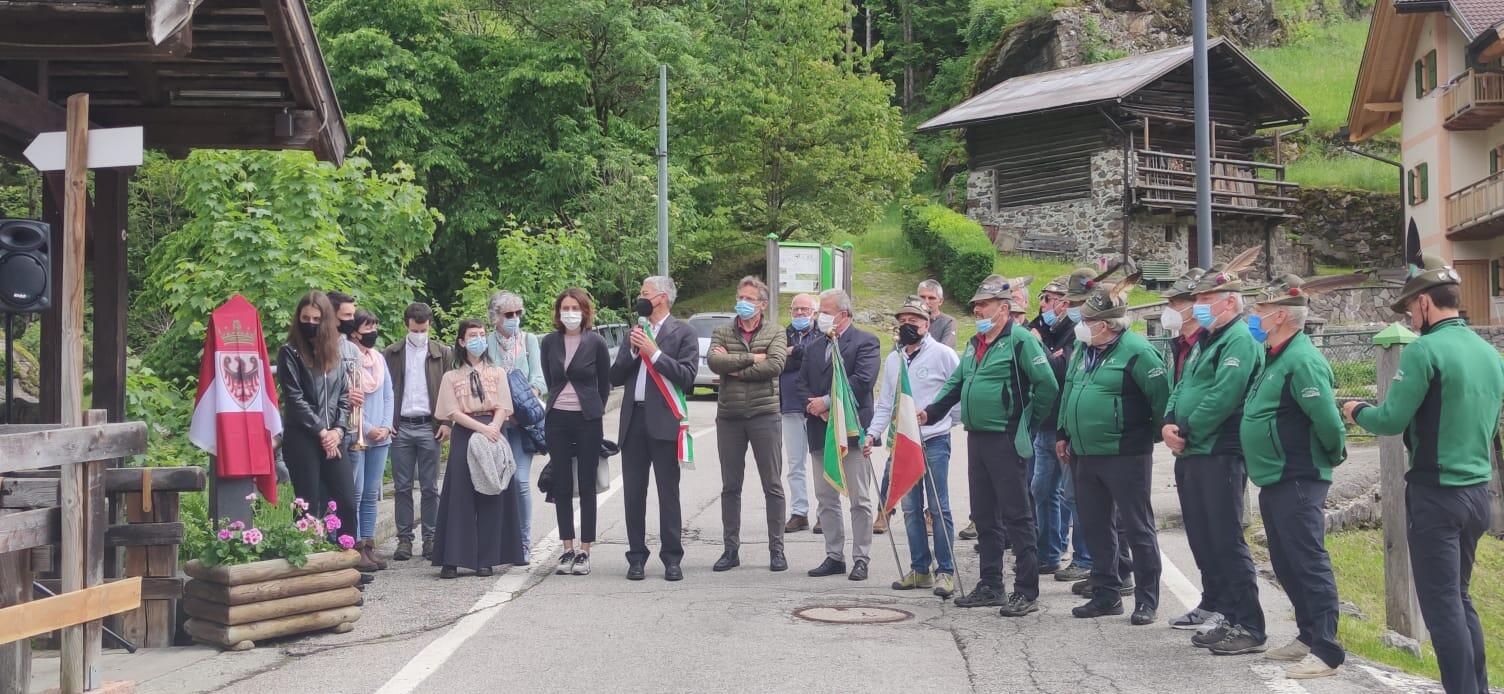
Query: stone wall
1351 228
1366 305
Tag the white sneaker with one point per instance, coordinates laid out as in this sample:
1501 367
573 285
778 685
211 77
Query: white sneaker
566 563
1212 623
1195 619
1310 668
1292 652
581 564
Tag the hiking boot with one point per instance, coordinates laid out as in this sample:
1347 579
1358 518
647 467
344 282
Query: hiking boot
1048 568
1072 572
404 551
914 579
880 525
1292 652
969 532
1238 641
1310 668
1193 619
566 563
368 550
1205 639
945 585
1098 607
1018 606
428 549
1082 588
1142 615
366 564
982 596
581 564
796 523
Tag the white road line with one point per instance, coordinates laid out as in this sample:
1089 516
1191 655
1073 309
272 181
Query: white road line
440 650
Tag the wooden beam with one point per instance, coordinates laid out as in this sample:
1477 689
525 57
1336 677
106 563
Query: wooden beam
107 227
74 607
1384 106
307 74
15 589
42 449
22 493
1494 51
144 78
152 587
24 113
244 127
144 535
26 529
75 225
39 492
51 376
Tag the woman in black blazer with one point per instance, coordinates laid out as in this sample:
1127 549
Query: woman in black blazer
576 366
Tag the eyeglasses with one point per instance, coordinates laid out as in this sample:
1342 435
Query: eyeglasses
512 314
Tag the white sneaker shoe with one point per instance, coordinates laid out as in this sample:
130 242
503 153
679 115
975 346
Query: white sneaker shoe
566 563
581 564
1195 619
1214 622
1292 652
1310 668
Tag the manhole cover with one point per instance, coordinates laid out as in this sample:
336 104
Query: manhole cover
852 614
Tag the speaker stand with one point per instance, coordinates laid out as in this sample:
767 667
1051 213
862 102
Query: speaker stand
10 368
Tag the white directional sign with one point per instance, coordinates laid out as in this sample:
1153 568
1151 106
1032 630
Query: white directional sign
108 148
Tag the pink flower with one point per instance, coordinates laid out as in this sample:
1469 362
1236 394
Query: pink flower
224 534
303 524
333 506
237 525
300 503
331 522
346 541
251 496
251 537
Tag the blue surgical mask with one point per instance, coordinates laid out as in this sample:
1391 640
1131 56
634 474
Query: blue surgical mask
1049 318
746 309
476 346
800 322
511 325
984 326
1203 315
1256 326
1074 314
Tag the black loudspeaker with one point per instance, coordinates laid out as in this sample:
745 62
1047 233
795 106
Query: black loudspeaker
25 269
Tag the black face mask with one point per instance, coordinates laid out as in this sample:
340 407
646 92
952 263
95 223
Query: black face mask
644 307
347 327
908 334
308 330
368 339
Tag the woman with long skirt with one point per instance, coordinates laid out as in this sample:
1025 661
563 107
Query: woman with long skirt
475 531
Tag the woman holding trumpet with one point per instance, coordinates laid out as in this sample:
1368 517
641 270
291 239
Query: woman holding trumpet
372 420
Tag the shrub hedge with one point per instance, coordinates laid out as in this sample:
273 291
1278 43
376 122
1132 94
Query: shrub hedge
953 246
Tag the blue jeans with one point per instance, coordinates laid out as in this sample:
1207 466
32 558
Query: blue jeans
1069 520
369 465
1047 487
524 480
935 496
796 456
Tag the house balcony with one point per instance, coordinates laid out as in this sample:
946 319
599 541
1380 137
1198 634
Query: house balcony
1167 180
1475 101
1477 211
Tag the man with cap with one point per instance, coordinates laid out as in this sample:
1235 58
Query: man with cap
1078 286
1447 389
1006 388
1201 429
1292 436
930 365
1115 390
1047 485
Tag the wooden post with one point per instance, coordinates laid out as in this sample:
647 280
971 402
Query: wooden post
15 588
75 220
107 229
50 380
1401 607
771 270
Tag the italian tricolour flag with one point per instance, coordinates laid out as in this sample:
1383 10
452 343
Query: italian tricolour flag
843 423
904 444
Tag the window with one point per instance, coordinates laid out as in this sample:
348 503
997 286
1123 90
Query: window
1418 182
1425 74
1169 234
1495 156
1493 277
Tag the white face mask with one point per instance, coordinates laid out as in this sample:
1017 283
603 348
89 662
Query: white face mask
825 323
1171 319
571 319
1083 333
418 340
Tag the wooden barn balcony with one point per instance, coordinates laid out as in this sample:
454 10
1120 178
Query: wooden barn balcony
1475 101
1477 211
1167 180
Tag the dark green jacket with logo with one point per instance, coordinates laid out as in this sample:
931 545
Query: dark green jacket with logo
1114 408
1445 398
1013 390
1291 426
1207 403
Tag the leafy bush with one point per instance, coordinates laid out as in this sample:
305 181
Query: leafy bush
167 408
952 245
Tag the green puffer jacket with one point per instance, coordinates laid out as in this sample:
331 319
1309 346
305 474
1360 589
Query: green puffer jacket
1012 391
1207 403
747 389
1291 428
1114 408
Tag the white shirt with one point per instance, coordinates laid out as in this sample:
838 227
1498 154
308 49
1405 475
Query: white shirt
415 382
928 372
639 392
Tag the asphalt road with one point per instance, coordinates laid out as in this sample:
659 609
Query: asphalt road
530 630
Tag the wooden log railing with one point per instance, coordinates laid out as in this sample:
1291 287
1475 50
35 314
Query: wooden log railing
1476 203
1474 101
1168 179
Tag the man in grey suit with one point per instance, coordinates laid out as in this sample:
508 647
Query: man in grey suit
649 432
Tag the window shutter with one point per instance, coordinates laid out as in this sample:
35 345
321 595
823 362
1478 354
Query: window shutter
1410 186
1420 79
1425 182
1431 70
1493 161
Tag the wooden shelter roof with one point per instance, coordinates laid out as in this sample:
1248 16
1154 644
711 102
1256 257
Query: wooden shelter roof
243 74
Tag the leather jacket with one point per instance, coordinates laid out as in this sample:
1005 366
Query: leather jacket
311 401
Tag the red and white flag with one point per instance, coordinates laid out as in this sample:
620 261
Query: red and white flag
235 414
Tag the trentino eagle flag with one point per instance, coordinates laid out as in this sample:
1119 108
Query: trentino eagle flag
235 414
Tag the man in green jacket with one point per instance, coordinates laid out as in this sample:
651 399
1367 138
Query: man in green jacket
1006 389
1292 436
1447 389
1115 389
1201 428
748 353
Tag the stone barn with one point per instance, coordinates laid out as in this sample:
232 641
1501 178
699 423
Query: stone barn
1060 161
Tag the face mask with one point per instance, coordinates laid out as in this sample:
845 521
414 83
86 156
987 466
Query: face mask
511 325
644 307
1074 314
419 340
368 339
1256 326
476 346
800 322
1083 333
746 309
571 319
1171 319
1049 318
347 327
1203 314
308 330
825 323
984 326
908 334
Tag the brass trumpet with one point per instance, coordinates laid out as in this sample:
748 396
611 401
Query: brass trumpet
357 413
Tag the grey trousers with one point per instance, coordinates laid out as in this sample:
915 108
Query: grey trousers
415 453
764 433
858 474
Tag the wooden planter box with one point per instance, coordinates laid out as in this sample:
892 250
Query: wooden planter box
235 606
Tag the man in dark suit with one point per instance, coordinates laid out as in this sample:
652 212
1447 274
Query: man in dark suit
649 433
859 352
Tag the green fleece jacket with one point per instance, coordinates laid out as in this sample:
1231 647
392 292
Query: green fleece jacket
1445 398
1112 401
1011 389
1207 403
1291 428
748 388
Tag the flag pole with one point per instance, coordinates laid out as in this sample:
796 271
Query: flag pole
948 528
882 509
